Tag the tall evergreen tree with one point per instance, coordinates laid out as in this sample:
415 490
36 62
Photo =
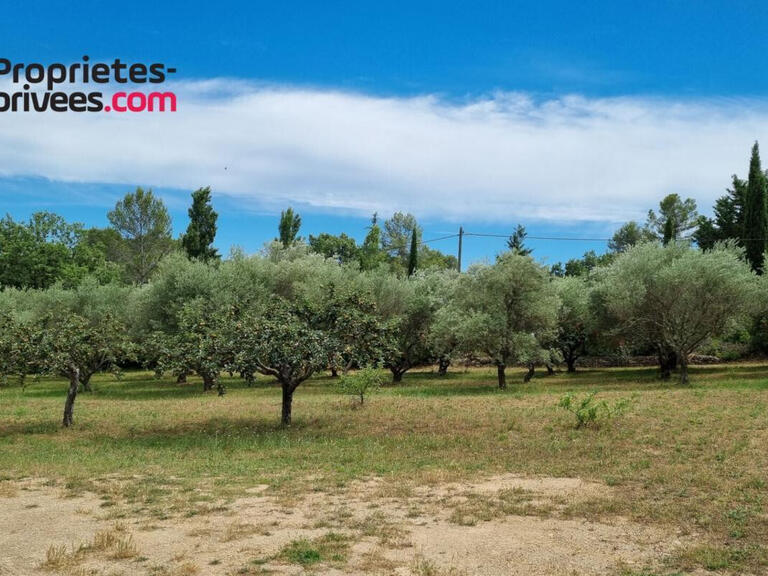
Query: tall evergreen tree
290 223
413 255
516 242
755 217
371 254
198 239
728 221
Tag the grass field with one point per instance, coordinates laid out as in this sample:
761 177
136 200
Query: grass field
693 460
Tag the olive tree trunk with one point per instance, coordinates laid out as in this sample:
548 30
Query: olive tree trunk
502 376
530 373
212 380
683 369
667 363
85 382
442 365
287 403
69 405
397 373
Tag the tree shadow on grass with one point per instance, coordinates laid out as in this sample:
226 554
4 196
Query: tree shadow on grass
139 389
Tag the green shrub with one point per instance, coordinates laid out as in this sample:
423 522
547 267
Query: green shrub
365 381
590 412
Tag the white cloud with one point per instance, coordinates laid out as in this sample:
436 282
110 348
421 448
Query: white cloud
505 157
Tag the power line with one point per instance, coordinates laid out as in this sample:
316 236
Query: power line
438 239
529 237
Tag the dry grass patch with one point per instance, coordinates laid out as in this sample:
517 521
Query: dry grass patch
61 557
8 490
515 501
238 530
374 562
379 525
423 567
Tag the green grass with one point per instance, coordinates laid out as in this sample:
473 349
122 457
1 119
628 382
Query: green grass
329 548
693 458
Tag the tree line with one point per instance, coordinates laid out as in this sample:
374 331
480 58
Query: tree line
298 308
46 249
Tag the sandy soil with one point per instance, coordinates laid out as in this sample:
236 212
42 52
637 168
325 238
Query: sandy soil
504 525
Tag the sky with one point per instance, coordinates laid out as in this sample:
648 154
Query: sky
567 117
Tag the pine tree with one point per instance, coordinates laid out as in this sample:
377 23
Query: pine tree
755 217
413 255
516 242
201 232
676 220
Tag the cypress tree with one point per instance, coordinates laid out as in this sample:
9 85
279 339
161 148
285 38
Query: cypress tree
413 256
202 227
755 217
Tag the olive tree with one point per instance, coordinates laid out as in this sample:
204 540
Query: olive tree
18 342
276 339
407 311
157 325
286 317
575 318
79 332
509 311
197 346
677 296
356 336
444 335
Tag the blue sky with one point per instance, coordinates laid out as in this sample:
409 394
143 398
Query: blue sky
569 117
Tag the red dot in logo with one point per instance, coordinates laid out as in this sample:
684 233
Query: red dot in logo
107 109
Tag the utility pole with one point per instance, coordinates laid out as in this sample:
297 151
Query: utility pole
461 238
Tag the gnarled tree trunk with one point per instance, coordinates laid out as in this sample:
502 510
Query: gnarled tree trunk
397 373
69 405
181 378
530 373
502 376
85 382
667 363
442 365
210 380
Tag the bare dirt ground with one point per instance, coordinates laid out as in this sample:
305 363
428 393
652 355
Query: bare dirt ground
504 525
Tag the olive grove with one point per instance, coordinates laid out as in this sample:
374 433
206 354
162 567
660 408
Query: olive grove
290 313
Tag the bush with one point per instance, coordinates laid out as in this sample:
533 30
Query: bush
590 412
363 382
